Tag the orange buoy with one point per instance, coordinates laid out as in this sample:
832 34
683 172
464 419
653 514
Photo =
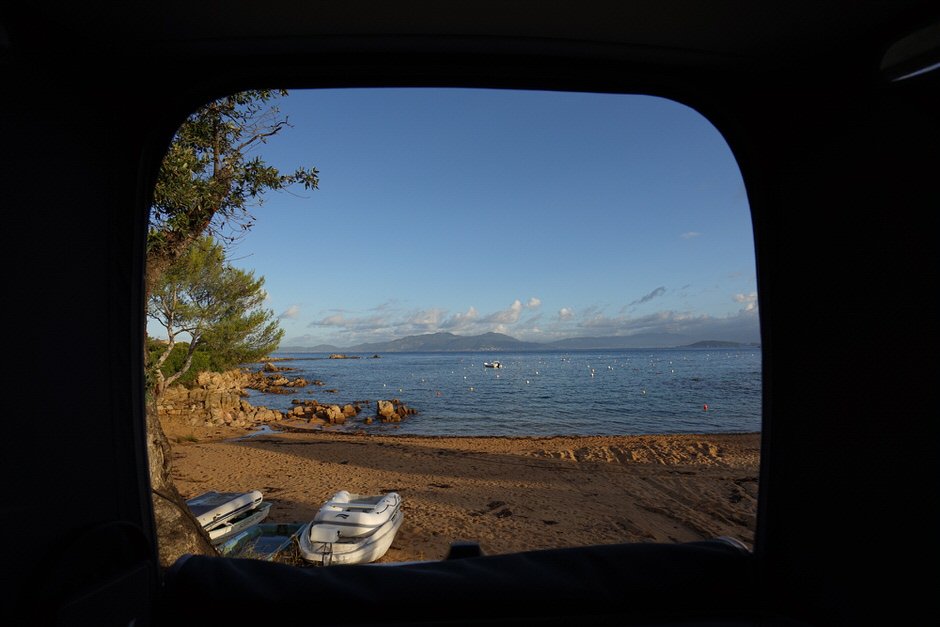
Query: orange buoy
705 407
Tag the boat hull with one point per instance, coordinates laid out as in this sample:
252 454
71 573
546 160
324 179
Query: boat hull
220 532
214 508
346 550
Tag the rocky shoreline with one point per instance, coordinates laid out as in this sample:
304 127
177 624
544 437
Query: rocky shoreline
218 399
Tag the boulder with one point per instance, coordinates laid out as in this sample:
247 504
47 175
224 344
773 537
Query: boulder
384 409
393 410
218 399
335 415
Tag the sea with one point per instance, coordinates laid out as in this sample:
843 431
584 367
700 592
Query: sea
604 392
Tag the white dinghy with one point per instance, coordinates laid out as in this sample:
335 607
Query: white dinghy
220 532
357 515
351 529
214 508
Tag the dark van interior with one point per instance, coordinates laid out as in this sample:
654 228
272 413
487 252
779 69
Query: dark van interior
832 111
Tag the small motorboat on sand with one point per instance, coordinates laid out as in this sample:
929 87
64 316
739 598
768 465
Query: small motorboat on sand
214 508
220 532
224 514
357 515
351 529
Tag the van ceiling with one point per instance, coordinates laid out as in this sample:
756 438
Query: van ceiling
717 32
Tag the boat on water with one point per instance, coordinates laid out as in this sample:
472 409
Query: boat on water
492 364
351 529
263 541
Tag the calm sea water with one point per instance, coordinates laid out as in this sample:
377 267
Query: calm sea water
576 393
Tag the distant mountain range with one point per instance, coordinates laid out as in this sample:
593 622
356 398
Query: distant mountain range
491 342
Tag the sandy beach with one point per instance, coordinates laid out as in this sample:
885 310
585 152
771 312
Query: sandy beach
507 494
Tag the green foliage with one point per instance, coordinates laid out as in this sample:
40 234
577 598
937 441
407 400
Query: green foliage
208 180
218 306
201 361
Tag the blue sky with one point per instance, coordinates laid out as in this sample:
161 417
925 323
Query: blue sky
541 215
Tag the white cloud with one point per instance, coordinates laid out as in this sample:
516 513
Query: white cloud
461 321
506 316
366 324
522 320
291 312
748 300
690 235
336 320
349 330
428 318
470 315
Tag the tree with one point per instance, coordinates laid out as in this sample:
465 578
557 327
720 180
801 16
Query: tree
217 305
208 180
206 184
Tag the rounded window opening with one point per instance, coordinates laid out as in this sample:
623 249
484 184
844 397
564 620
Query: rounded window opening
521 319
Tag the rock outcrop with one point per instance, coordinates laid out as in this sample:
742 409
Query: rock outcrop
392 411
217 399
333 414
274 383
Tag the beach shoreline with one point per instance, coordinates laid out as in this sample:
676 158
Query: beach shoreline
509 494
